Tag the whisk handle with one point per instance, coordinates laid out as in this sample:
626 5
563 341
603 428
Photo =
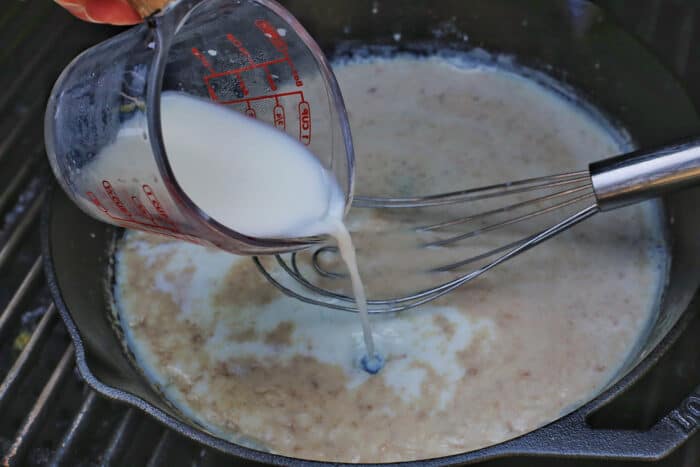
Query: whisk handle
644 174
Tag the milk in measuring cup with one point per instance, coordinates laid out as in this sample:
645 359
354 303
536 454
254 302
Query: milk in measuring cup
243 173
246 175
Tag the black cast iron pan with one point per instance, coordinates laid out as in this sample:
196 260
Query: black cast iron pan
574 42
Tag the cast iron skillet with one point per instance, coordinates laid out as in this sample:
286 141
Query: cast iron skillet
570 40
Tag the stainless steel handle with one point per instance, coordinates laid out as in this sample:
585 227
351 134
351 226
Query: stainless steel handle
644 174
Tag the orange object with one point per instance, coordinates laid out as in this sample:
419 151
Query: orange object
147 7
117 12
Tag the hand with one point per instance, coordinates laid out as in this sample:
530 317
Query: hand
117 12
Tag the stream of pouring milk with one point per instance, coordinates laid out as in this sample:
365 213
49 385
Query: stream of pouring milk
257 181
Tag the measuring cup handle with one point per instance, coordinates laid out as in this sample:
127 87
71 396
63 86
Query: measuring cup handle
146 8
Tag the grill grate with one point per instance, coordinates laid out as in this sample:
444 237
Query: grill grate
49 416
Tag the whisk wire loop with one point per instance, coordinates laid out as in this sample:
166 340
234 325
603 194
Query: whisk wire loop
571 189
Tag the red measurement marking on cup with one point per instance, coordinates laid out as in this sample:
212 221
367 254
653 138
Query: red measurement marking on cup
279 117
281 45
200 56
116 200
244 88
125 222
276 106
162 213
272 97
168 231
202 59
239 71
92 197
242 49
142 209
304 122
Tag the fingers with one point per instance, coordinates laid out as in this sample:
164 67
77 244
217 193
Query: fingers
117 12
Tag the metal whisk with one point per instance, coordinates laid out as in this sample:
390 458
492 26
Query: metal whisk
606 185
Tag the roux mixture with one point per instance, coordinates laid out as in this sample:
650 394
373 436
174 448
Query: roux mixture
513 350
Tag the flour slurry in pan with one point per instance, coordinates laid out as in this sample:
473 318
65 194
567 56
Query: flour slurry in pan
499 357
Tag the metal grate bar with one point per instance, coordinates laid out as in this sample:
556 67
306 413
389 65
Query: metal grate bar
33 421
28 354
9 139
36 60
117 443
11 311
28 24
11 190
21 229
79 425
160 453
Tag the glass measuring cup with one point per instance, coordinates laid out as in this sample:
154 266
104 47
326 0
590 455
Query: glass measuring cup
249 55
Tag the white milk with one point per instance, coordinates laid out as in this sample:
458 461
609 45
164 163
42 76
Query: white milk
246 175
